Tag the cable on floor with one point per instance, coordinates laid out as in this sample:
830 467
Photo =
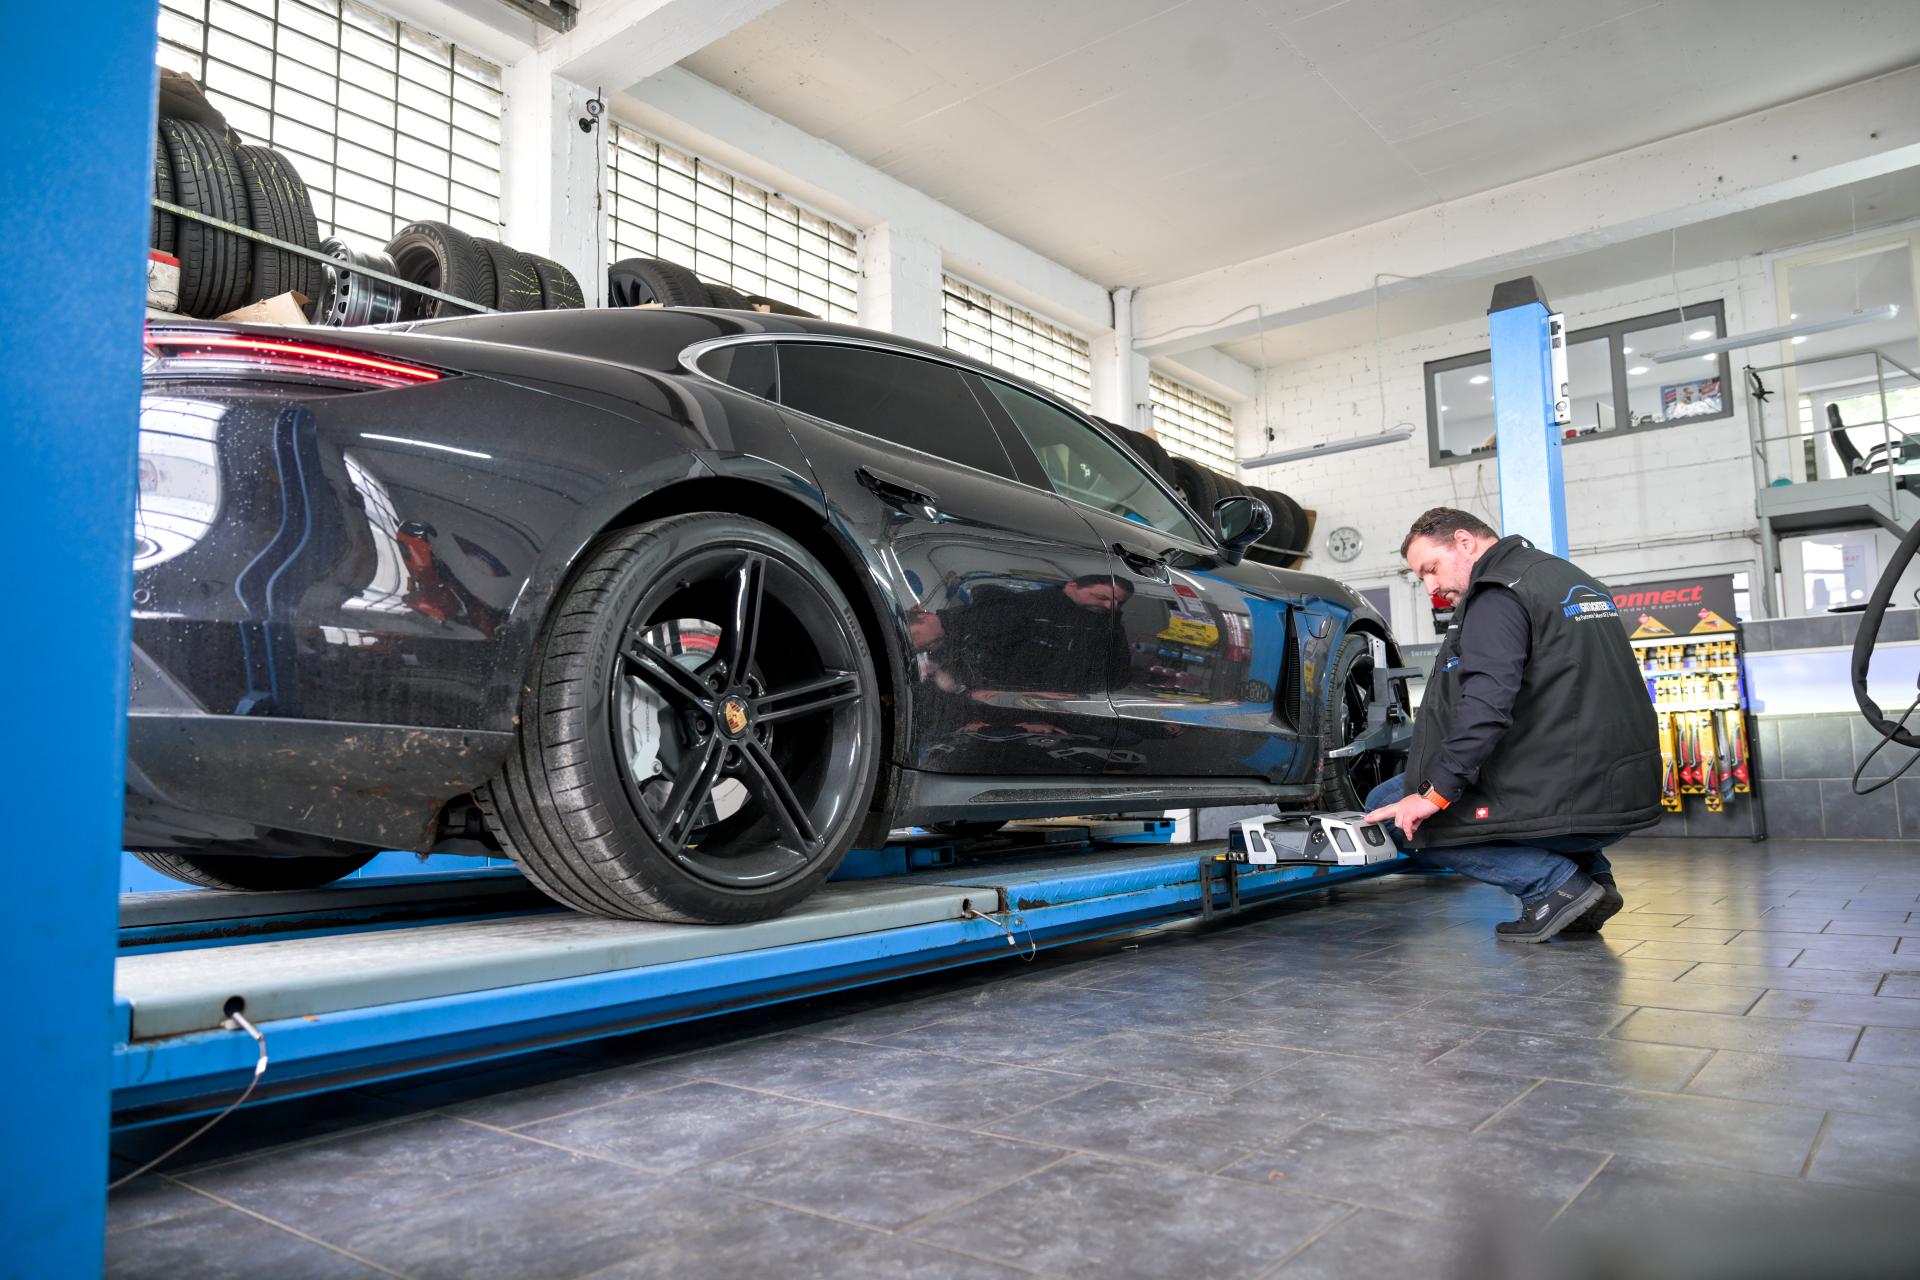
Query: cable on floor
235 1021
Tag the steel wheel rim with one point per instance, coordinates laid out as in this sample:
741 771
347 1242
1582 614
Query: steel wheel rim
771 707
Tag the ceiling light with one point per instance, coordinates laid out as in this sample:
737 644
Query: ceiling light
1781 333
1477 379
1802 338
1699 335
1636 371
1328 446
1443 408
1626 351
1793 315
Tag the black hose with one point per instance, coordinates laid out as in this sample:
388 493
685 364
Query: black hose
1870 633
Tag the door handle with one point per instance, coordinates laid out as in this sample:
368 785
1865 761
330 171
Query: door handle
894 491
1143 564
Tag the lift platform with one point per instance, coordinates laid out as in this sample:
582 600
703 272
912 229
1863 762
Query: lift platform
374 979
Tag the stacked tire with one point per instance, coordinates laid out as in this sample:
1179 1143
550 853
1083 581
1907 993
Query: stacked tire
492 275
641 282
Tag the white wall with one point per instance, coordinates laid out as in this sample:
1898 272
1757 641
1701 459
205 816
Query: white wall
1639 506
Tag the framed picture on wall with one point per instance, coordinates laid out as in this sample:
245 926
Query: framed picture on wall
1702 398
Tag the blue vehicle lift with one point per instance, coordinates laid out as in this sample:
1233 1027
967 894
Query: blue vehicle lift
360 982
1529 370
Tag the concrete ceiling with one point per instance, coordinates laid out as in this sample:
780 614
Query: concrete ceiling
1832 213
1142 141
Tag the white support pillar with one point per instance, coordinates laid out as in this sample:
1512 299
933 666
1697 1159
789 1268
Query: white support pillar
1119 372
900 284
552 171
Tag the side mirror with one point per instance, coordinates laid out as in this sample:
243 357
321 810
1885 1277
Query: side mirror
1241 521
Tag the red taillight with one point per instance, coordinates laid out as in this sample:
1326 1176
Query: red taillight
244 353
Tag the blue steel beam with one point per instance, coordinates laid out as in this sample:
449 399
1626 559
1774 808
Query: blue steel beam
1533 498
78 101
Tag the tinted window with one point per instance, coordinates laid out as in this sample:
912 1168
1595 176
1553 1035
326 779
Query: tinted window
749 366
918 403
1083 466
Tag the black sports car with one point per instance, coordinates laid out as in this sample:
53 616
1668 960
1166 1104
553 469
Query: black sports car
675 606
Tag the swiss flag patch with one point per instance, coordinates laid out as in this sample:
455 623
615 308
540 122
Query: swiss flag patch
1480 813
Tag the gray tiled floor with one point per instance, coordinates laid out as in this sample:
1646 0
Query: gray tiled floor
1359 1084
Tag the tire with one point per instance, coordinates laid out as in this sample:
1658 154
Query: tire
633 282
607 737
516 280
248 874
215 266
279 206
1199 486
1302 529
444 258
559 287
1281 536
1344 699
1145 448
729 299
162 235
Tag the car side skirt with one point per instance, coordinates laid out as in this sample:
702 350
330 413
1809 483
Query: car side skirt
945 797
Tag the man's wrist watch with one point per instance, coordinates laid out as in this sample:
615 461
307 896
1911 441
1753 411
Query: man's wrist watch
1432 797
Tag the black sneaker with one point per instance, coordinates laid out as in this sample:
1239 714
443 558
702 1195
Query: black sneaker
1602 911
1542 917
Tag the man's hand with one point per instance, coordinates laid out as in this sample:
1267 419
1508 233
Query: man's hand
1406 814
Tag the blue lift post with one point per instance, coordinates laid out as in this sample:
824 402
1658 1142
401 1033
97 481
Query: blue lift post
1533 499
78 100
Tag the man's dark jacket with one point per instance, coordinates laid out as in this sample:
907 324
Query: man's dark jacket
1582 754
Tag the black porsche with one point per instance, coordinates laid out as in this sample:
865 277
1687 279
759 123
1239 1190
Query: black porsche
674 606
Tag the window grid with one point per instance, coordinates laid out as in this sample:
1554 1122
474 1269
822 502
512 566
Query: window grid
1191 424
385 123
993 330
664 203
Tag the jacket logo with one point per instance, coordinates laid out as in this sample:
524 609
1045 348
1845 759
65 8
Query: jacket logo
1480 813
1585 601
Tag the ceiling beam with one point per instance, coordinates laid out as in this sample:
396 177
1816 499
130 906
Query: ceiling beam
615 43
1860 131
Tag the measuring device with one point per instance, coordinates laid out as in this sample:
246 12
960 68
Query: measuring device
1293 840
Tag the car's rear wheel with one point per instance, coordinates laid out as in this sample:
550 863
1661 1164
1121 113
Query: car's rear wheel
699 732
252 874
1347 698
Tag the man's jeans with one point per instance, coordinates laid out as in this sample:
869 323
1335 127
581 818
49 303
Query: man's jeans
1528 869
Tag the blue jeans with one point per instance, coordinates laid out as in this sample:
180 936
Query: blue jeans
1525 868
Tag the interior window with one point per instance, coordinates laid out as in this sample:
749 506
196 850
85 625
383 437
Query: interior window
919 403
749 366
1082 466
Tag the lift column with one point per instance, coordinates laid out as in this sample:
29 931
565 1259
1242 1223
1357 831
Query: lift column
78 100
1525 391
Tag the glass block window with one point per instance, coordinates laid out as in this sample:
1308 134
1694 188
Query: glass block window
993 330
667 204
1192 424
385 123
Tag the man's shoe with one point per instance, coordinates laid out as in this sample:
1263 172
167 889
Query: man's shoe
1602 911
1543 917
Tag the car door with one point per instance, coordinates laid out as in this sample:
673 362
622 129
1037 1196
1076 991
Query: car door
1003 586
1207 644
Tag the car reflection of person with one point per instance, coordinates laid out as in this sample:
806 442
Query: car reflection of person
1535 746
1066 640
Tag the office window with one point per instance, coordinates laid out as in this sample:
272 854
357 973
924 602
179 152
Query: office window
1614 384
665 203
385 123
1192 424
993 330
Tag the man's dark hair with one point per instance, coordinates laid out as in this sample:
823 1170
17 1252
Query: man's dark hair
1442 523
1121 585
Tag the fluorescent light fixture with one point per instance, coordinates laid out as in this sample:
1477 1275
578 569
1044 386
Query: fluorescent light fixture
1443 408
1802 338
1329 446
1699 335
1477 379
1626 351
1780 333
1636 371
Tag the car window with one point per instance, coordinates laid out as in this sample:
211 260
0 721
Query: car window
748 366
922 404
1081 465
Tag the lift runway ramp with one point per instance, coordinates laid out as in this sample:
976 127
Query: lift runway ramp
345 999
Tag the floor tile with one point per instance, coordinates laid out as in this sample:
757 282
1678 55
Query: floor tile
1730 953
1878 1011
1661 995
831 1171
1875 1152
1101 1220
223 1244
679 1128
1429 1173
1165 1126
1024 1038
1749 1033
1600 1061
1667 1127
1374 1242
522 1093
1889 1046
1864 1088
1774 977
1172 1061
1550 1016
1429 1095
948 1091
785 1064
150 1198
1905 988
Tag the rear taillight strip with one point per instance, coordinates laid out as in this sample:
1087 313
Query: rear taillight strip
299 354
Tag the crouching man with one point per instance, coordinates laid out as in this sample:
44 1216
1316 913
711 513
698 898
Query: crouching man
1535 746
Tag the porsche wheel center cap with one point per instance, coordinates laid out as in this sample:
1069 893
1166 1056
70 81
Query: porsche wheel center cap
733 714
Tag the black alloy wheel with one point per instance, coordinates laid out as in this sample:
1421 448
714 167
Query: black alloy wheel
1347 699
700 736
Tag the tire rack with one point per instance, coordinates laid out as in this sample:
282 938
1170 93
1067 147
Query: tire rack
353 983
179 211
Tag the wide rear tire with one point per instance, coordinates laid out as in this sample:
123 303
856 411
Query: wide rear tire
249 874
